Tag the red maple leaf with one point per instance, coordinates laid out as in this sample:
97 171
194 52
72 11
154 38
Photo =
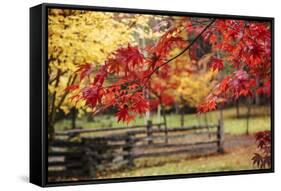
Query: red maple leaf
224 85
92 95
109 98
100 75
208 106
263 158
216 64
255 54
114 65
124 115
140 104
129 56
84 70
71 87
165 43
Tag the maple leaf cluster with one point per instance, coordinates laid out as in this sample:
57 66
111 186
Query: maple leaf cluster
246 47
238 84
263 158
216 64
131 71
123 80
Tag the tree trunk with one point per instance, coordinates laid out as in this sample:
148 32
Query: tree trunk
206 124
257 96
164 118
237 109
51 132
159 114
248 117
52 114
165 123
221 115
199 119
73 118
147 114
206 119
53 108
182 117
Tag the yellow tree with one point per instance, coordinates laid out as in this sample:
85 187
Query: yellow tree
75 38
194 82
86 38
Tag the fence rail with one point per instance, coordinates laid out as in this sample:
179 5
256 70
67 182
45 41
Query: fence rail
90 154
94 130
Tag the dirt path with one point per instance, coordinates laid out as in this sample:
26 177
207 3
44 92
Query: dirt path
233 141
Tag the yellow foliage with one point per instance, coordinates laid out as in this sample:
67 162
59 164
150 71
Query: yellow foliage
76 37
195 83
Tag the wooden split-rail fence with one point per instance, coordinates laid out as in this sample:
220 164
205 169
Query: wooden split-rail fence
85 152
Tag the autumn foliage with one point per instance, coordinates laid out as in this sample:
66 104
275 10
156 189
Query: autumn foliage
263 158
246 47
242 46
109 68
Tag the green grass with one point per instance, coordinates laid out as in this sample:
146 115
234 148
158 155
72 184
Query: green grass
260 120
234 160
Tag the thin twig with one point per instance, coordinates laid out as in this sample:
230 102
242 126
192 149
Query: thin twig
183 51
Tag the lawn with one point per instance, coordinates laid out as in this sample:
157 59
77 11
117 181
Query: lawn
260 120
233 160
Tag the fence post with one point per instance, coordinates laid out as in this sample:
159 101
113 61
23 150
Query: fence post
149 131
88 159
220 136
159 126
129 145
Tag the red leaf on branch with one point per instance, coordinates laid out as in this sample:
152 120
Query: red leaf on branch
129 56
92 95
165 43
100 75
84 70
224 85
109 98
71 87
254 54
124 115
263 159
208 106
140 104
257 159
216 64
213 38
114 65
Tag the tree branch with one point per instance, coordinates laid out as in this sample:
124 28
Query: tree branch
183 51
171 59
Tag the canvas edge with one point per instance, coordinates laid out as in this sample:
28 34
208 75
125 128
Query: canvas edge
43 139
36 171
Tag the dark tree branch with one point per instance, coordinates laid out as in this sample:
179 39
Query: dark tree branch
171 59
55 78
183 51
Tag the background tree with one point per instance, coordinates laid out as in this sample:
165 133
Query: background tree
195 83
77 40
81 41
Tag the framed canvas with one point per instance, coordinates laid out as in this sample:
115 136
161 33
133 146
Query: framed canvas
127 94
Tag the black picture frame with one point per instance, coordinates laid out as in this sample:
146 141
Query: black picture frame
38 93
